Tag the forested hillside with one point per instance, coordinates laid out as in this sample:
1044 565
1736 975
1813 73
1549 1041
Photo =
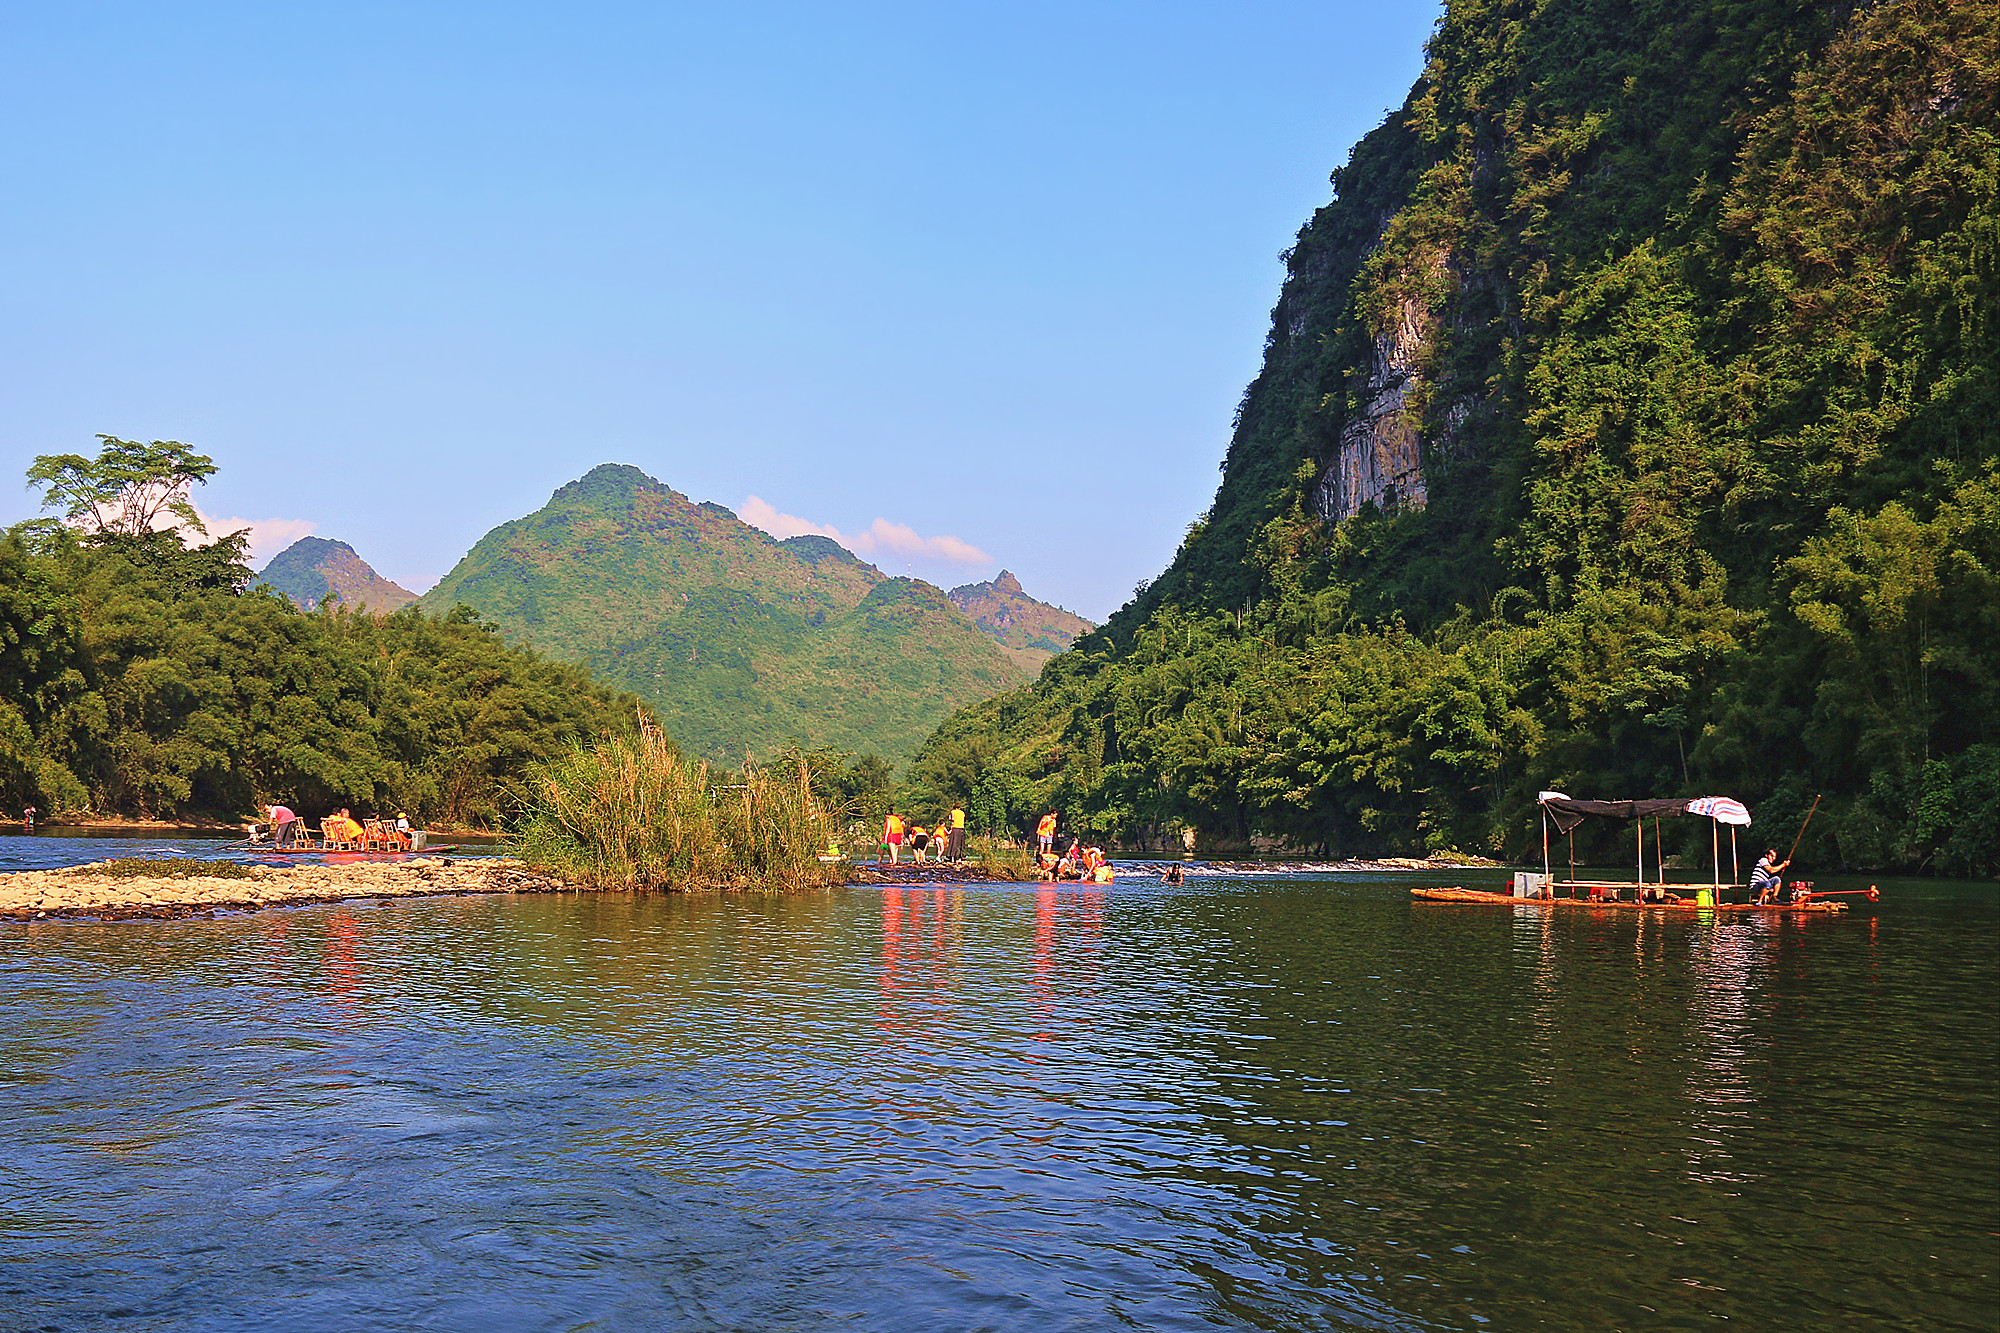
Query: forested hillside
740 642
1627 427
136 678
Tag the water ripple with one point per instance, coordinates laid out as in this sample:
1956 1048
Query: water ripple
1278 1104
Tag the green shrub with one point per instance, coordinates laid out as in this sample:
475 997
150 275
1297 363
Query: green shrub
165 867
633 813
1002 857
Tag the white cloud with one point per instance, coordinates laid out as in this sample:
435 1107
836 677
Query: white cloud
268 536
881 538
761 514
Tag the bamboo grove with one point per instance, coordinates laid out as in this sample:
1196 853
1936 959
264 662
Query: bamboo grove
139 677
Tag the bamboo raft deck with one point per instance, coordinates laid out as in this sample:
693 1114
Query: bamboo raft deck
1455 894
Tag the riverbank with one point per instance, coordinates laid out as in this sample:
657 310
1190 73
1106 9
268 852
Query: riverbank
107 891
117 825
111 891
93 892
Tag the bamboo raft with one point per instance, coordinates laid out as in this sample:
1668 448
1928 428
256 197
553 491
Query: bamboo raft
1455 894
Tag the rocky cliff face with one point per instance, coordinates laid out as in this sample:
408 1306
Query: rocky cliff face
1379 457
313 570
1033 631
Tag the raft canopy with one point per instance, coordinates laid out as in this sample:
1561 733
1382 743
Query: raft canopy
1568 813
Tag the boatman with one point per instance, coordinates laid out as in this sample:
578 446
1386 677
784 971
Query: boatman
1768 877
283 824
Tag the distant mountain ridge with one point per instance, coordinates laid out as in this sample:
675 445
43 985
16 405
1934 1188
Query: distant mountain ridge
739 641
313 569
1031 631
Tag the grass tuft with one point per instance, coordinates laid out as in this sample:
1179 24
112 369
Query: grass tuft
1002 858
165 867
632 813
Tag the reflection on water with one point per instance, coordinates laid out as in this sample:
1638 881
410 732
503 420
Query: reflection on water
1270 1104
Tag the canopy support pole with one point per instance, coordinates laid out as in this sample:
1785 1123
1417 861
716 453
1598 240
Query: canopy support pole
1545 844
1572 854
1735 870
1659 853
1640 825
1715 855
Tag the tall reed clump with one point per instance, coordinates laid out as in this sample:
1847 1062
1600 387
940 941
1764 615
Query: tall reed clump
632 813
1002 858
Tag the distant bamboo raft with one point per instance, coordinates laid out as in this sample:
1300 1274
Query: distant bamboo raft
1455 894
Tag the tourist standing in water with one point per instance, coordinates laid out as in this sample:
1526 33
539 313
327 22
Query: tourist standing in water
892 837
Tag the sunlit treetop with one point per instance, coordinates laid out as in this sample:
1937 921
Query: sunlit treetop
126 488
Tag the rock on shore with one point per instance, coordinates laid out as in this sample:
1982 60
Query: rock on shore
77 892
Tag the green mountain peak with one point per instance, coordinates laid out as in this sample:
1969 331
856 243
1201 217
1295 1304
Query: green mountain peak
314 569
739 641
607 483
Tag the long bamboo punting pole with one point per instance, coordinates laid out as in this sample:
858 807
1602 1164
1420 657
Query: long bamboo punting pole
1802 831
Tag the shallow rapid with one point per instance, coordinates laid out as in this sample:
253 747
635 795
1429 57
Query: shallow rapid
1285 1103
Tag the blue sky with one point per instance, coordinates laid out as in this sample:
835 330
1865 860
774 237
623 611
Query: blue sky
976 280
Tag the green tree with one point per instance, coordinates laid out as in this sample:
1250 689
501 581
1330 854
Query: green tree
126 488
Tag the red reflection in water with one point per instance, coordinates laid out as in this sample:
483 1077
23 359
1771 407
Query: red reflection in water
277 946
921 933
1069 928
342 977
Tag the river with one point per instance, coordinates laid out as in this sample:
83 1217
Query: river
1283 1102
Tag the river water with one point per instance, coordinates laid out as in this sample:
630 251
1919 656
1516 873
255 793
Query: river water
1287 1102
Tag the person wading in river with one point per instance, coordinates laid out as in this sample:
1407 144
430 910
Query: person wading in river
892 837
